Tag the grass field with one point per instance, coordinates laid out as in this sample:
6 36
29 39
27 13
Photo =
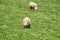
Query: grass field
45 21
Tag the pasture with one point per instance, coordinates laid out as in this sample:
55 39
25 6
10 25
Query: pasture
45 21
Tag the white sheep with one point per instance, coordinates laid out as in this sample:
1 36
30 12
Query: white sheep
26 22
33 5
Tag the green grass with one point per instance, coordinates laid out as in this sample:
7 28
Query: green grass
45 21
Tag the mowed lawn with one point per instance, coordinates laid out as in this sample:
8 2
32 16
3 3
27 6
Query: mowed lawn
45 21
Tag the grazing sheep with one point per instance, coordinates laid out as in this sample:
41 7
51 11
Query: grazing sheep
33 6
26 22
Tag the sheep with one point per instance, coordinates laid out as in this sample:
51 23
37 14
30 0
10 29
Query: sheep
33 6
26 22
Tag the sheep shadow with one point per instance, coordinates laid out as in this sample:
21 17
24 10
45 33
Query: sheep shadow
28 26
